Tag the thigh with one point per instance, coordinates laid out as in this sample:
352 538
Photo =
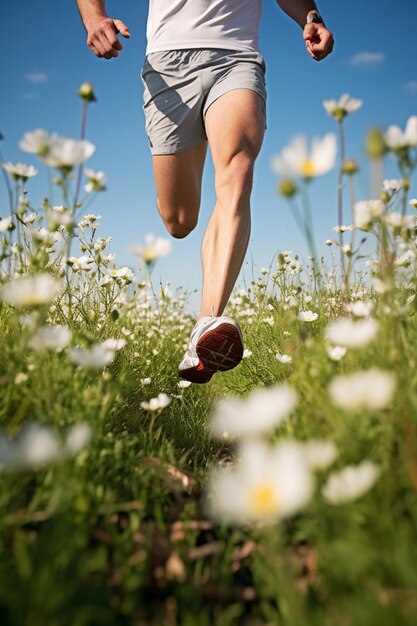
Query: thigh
178 182
235 123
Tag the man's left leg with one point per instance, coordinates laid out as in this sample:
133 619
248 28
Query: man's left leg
235 125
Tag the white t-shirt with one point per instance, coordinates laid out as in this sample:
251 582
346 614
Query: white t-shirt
181 24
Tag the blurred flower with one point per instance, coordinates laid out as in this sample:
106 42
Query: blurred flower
287 188
398 140
365 211
360 308
50 338
342 107
20 378
20 170
246 354
369 390
270 483
145 381
5 224
37 445
336 353
154 248
31 290
261 411
350 167
307 316
375 146
283 358
65 153
413 203
296 160
113 344
86 92
399 221
393 184
342 228
59 216
96 181
123 273
351 482
36 142
97 357
158 403
77 438
319 454
351 334
84 263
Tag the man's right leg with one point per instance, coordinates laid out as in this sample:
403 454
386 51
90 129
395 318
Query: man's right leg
178 186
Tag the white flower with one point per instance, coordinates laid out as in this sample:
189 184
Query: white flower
50 338
36 142
270 483
89 221
80 263
145 381
297 160
31 290
5 223
59 216
360 308
365 212
20 378
398 220
64 152
154 249
368 390
283 358
307 316
319 454
183 384
336 353
97 357
396 139
393 184
37 445
77 438
20 170
342 107
342 228
246 354
96 181
269 320
124 273
113 344
351 482
261 411
413 203
345 332
158 403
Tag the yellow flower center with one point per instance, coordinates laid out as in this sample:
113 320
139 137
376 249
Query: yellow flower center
263 499
307 168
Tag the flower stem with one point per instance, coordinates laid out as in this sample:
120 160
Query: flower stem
80 167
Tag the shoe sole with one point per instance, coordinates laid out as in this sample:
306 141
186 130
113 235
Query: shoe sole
221 349
193 375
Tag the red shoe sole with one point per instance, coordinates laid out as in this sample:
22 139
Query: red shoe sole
198 374
221 349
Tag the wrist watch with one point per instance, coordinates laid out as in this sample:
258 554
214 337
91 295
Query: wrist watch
314 17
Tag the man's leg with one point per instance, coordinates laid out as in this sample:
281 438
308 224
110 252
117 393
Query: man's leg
235 125
178 186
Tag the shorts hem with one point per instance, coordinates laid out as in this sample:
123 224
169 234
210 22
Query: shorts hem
253 87
177 148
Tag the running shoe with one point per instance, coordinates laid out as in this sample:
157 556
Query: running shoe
216 345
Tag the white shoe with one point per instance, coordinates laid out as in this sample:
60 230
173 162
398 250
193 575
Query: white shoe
216 344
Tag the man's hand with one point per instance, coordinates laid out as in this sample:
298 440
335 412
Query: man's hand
102 36
319 40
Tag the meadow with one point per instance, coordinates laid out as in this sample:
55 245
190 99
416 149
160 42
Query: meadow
282 492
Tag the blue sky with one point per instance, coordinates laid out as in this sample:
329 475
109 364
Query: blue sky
45 59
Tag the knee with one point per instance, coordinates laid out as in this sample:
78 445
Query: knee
236 176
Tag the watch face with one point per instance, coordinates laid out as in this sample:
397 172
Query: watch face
314 18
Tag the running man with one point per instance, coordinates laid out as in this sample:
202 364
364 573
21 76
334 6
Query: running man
204 84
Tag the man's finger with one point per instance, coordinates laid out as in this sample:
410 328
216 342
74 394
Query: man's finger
93 49
122 28
108 50
110 32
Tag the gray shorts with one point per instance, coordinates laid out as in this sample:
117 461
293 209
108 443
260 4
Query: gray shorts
180 85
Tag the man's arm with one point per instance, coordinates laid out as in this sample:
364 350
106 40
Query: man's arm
101 30
319 40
